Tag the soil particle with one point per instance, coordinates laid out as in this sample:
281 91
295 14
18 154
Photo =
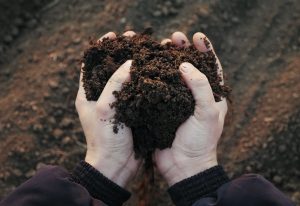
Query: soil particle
156 100
206 42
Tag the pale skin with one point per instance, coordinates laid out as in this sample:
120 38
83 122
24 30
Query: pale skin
194 147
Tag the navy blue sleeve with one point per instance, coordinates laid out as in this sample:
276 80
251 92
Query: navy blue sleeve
212 187
53 185
250 189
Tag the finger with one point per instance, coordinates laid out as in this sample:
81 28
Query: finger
198 84
203 44
129 33
114 84
81 93
222 107
81 103
165 41
109 35
179 39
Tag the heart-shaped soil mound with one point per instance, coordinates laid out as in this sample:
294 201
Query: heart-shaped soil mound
156 100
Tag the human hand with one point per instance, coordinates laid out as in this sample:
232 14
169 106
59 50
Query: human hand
111 154
195 145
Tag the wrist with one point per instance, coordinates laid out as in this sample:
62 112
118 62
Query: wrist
116 172
189 168
99 186
188 191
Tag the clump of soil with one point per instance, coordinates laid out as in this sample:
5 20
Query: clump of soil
156 101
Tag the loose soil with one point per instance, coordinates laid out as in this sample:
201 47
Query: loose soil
156 100
257 43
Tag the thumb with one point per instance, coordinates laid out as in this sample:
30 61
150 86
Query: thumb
113 84
198 84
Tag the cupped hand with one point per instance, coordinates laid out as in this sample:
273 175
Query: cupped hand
195 145
110 153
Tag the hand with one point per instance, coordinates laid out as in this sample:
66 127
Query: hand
111 154
195 145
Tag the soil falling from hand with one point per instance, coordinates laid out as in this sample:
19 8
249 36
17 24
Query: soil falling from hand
156 100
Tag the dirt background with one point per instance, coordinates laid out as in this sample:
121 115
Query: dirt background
258 43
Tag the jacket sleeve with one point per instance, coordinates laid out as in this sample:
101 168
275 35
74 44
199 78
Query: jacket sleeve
53 185
212 187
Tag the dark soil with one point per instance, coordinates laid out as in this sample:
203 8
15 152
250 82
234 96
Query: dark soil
156 100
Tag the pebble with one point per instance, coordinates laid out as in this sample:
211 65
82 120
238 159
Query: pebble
19 22
235 19
259 166
46 94
40 165
249 169
157 13
32 23
204 12
66 122
7 39
123 20
282 148
179 2
51 120
277 179
33 59
58 113
77 40
66 140
165 10
296 196
8 126
30 173
15 31
53 84
265 145
57 133
37 127
17 172
268 119
65 90
291 186
173 11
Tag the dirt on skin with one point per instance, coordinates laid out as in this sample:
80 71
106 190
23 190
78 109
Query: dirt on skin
257 43
156 101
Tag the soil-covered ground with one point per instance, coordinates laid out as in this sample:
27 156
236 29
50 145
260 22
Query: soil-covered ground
258 44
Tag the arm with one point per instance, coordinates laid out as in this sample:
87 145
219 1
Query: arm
53 185
190 166
212 187
109 163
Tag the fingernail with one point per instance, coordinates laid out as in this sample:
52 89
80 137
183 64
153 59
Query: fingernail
185 67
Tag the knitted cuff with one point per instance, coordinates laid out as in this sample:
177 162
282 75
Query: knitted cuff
99 186
188 191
